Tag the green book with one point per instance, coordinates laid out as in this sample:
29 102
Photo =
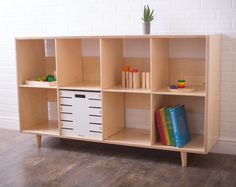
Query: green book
169 126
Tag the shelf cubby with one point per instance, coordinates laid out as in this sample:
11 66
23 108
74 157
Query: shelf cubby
36 58
118 52
38 111
78 63
178 58
127 118
195 109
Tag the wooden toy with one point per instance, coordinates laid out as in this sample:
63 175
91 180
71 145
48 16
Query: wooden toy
147 77
143 80
174 88
181 83
136 80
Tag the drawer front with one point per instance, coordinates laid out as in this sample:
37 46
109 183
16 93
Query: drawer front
95 135
92 95
67 132
95 111
66 93
94 103
66 101
67 109
95 119
95 128
68 117
66 124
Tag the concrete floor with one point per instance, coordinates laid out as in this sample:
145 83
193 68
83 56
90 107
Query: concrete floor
75 163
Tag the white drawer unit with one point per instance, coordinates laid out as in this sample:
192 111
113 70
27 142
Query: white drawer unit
81 113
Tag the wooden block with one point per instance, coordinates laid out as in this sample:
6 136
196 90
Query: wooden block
147 78
127 79
123 79
136 80
143 80
130 80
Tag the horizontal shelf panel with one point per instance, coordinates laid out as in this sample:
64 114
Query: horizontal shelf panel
74 137
120 88
130 137
47 128
83 85
199 92
37 86
169 35
196 145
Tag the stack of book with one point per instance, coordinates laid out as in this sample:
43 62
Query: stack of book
172 125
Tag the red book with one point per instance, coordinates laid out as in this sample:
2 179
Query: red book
160 126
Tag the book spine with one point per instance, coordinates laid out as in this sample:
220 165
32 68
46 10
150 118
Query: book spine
160 127
169 127
174 121
165 127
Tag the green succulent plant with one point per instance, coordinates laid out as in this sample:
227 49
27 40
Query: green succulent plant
147 14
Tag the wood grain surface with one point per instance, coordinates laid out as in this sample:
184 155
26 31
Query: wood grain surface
75 163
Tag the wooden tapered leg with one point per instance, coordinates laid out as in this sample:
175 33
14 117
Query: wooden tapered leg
38 140
184 158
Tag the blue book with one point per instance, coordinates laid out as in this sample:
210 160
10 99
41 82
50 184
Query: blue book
180 125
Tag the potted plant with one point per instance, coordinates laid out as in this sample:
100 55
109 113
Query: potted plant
147 18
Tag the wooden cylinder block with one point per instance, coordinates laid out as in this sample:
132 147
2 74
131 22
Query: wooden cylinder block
143 80
136 80
148 80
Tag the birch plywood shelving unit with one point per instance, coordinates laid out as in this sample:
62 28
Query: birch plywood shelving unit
93 64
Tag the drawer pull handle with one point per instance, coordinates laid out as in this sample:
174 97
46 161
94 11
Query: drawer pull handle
79 96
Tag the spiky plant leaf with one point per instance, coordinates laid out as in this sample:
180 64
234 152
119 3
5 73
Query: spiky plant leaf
147 14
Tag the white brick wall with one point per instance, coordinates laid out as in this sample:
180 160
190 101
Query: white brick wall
91 17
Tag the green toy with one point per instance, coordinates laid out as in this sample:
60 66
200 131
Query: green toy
50 78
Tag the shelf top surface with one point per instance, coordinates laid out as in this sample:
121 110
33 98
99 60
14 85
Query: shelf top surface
161 35
199 91
129 136
37 86
48 128
83 85
196 145
119 88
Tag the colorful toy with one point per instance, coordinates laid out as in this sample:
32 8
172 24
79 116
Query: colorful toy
181 87
48 78
173 87
181 83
